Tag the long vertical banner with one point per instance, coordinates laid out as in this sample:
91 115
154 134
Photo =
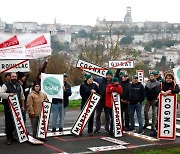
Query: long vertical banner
117 114
167 117
18 119
25 46
140 74
85 114
44 119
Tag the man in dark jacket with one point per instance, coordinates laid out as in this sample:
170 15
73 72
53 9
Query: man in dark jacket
152 90
9 89
124 101
86 89
136 97
59 106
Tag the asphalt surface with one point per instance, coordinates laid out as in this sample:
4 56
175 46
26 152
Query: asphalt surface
73 144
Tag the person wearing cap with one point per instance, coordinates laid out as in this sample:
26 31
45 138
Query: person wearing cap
158 76
34 103
112 87
7 77
166 88
59 106
136 95
152 89
119 74
124 101
9 89
86 89
101 105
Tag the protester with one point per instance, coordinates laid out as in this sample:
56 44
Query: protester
112 87
34 103
22 78
9 89
7 77
101 105
119 74
124 101
136 97
158 76
59 106
166 88
86 89
152 89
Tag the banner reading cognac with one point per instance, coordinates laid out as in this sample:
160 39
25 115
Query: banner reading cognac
52 85
24 46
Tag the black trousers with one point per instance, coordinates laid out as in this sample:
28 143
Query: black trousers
9 123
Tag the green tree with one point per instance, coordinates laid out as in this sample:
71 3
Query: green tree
126 40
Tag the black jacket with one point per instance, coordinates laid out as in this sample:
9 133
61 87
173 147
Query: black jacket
170 86
85 91
125 85
152 90
67 93
136 93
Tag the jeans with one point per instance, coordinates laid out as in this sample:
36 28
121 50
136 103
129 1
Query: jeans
132 109
57 109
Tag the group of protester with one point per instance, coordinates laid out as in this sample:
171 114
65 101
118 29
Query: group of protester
30 101
132 95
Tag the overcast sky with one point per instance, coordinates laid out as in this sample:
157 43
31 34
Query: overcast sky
85 12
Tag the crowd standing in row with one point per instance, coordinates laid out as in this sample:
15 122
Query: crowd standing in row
132 95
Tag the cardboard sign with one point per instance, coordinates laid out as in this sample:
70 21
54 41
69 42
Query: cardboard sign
140 74
113 140
85 114
34 140
107 148
91 68
18 119
117 114
167 117
12 66
44 119
121 64
63 133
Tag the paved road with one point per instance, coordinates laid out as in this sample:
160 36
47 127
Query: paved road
72 144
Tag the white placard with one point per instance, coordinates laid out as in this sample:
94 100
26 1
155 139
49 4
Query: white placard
140 74
113 140
63 133
91 68
23 66
25 46
18 119
75 93
85 114
121 64
52 85
107 148
176 71
117 114
167 117
44 119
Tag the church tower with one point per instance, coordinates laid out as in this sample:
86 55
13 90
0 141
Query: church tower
128 18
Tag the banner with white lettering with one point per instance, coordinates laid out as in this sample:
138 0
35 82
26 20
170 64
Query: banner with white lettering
121 64
167 117
52 85
12 66
44 119
176 71
91 68
140 74
25 46
18 119
85 114
117 114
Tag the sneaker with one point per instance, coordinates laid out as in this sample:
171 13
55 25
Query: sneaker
140 132
96 131
60 129
43 139
154 134
146 125
90 134
54 130
9 142
106 130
